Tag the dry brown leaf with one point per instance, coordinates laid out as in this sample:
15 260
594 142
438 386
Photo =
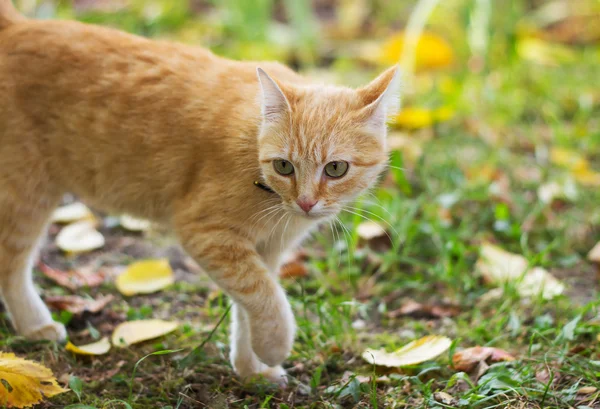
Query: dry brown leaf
498 266
132 332
417 310
415 352
294 269
96 348
25 383
78 305
468 359
73 279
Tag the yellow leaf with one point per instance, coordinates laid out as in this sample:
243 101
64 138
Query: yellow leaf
71 213
79 237
432 51
145 277
414 118
25 383
498 266
568 158
132 332
587 177
96 348
415 352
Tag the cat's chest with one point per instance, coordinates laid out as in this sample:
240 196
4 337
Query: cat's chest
282 236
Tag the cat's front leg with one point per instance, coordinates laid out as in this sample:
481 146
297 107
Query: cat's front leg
243 359
232 262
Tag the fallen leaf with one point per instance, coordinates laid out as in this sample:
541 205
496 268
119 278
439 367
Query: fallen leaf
549 192
295 269
544 53
594 254
578 165
415 352
416 118
443 397
79 237
132 332
418 310
25 383
587 177
145 277
73 279
370 230
468 359
96 348
432 51
134 224
498 266
78 305
413 118
71 213
587 390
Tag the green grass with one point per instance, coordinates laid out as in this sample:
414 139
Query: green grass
439 208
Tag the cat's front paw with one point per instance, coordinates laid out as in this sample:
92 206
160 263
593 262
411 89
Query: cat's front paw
276 375
273 337
53 331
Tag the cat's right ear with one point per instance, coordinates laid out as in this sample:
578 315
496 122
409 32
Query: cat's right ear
274 105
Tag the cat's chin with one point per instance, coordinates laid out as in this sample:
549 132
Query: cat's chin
313 216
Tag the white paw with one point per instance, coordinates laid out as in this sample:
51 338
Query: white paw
276 375
272 339
52 331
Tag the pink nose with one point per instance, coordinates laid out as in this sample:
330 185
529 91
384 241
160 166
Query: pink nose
306 204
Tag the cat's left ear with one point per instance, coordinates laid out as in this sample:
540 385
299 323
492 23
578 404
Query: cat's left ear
381 98
274 105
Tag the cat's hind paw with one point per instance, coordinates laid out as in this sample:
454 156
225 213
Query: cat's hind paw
53 331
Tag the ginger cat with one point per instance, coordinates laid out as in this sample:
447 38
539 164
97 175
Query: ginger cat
178 135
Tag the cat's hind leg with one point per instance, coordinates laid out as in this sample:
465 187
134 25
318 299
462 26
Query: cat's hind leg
23 221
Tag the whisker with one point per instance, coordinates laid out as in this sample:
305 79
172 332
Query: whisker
283 233
378 217
371 220
347 238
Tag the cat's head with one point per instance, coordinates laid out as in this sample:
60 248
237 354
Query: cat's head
321 146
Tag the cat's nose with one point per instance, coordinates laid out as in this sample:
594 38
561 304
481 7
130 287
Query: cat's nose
306 204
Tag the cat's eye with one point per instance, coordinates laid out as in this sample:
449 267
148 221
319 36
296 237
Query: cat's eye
283 167
336 169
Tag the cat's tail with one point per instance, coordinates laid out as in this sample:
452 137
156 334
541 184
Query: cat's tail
8 14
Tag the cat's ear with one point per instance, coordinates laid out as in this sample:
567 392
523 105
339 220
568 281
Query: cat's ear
380 98
274 104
